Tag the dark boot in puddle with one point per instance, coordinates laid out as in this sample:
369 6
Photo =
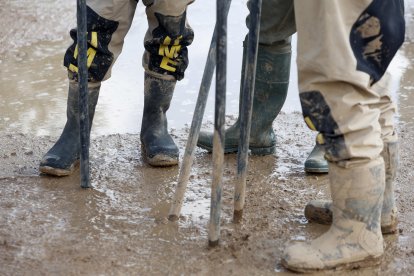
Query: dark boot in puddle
63 157
158 147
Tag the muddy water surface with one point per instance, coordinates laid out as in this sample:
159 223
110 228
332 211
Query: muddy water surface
51 226
34 86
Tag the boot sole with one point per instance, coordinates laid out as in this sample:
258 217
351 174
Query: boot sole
390 229
57 171
316 170
368 262
235 149
160 160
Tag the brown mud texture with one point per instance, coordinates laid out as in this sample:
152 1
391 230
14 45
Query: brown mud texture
51 226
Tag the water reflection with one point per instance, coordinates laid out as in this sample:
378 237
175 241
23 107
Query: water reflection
33 81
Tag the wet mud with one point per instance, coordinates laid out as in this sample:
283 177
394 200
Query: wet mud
50 226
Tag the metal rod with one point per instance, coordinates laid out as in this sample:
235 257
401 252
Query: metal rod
83 93
246 108
195 126
219 121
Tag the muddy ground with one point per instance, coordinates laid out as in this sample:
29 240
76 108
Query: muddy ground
50 226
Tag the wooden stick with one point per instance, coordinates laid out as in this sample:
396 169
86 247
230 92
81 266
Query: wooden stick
195 126
219 122
83 94
246 108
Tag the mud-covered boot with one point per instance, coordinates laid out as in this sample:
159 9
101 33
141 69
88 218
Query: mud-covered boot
320 211
158 147
272 80
316 162
62 158
354 239
389 214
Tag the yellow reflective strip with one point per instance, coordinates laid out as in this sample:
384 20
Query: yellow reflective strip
163 50
320 139
91 55
177 40
167 40
73 68
165 64
94 39
167 52
309 123
75 54
176 50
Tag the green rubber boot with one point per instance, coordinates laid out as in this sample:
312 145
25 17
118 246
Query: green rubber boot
320 211
316 162
272 80
158 147
63 157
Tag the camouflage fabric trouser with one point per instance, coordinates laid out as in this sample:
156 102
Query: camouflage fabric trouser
344 49
108 22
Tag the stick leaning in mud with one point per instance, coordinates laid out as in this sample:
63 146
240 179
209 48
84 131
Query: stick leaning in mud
219 121
83 94
247 108
195 125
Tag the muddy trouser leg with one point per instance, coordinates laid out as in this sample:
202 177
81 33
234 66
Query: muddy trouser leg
165 60
108 22
272 79
320 211
337 73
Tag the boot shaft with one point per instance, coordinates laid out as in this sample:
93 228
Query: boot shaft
72 111
157 145
357 193
158 94
271 85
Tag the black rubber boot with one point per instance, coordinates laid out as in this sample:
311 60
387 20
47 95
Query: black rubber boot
158 147
271 86
62 158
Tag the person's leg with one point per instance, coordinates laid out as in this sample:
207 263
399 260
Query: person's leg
107 24
320 211
340 58
272 80
165 60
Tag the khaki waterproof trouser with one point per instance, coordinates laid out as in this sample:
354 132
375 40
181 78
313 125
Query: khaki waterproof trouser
165 42
344 49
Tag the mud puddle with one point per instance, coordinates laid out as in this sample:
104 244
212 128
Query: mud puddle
34 86
51 226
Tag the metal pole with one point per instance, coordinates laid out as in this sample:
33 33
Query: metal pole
246 108
195 126
219 120
83 94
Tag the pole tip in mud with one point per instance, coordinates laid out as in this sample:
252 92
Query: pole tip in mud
213 243
237 216
86 187
173 218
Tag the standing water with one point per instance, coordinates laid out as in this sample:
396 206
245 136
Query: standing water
33 80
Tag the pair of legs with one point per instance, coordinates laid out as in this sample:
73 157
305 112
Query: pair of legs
271 86
344 49
165 60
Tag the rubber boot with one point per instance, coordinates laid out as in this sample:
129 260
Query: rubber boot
158 147
63 157
316 162
354 239
320 211
271 86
